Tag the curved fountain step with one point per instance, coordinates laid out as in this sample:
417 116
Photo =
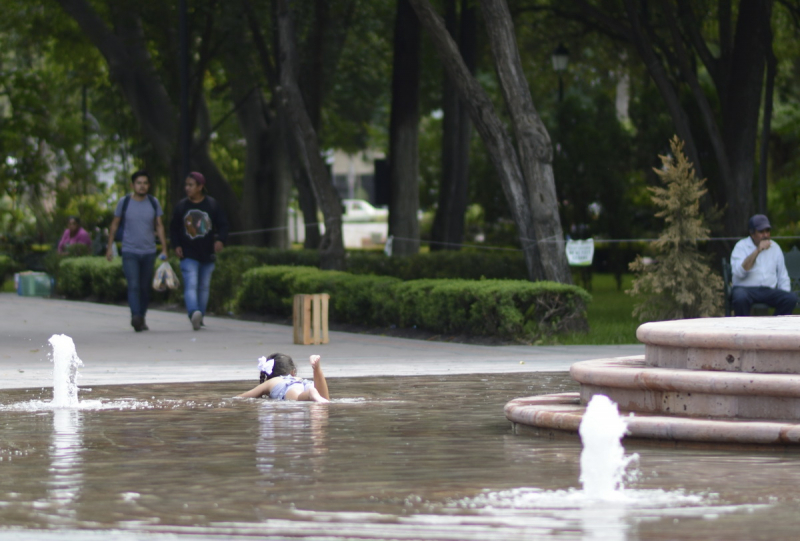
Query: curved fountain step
563 412
737 344
636 387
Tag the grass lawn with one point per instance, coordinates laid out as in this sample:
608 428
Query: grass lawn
610 314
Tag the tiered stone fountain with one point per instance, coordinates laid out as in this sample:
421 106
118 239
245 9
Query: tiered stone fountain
726 380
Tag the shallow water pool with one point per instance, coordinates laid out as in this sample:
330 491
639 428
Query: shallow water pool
391 458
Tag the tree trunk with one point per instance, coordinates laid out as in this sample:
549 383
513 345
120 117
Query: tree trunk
305 140
403 134
769 91
279 189
448 224
533 142
284 153
743 91
257 208
545 260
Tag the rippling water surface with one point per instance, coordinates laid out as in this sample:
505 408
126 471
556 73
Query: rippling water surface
391 458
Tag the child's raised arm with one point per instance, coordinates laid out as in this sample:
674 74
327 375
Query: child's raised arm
319 378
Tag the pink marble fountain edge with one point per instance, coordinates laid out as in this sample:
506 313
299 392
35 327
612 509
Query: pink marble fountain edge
631 373
564 412
742 333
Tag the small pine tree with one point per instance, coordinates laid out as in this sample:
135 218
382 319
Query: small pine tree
679 284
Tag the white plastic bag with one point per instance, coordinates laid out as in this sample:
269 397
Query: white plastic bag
165 278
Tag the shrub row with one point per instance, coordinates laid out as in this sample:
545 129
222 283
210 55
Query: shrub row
234 261
7 266
265 281
83 277
510 309
464 264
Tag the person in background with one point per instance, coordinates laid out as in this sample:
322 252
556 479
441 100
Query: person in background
139 215
759 272
74 234
198 232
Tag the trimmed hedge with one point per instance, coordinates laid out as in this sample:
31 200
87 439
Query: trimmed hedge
82 277
7 266
234 261
463 264
510 309
261 280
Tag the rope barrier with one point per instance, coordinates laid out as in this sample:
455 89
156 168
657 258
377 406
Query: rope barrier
549 240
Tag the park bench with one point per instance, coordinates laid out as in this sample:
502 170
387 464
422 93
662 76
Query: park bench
792 258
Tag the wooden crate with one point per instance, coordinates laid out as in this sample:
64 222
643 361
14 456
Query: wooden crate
310 319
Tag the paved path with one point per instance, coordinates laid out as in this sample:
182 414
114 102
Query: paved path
227 349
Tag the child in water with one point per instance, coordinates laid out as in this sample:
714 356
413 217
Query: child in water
279 380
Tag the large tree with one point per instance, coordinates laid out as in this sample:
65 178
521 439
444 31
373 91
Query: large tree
524 163
123 44
708 61
306 142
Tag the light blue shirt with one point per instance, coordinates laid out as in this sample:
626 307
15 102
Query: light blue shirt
138 236
769 269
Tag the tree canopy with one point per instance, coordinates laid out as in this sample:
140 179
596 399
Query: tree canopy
96 93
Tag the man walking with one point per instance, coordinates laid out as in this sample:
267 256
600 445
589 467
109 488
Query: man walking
759 272
139 216
198 231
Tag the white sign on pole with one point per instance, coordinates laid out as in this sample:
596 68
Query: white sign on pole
580 252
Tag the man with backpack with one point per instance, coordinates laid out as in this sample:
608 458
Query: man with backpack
138 217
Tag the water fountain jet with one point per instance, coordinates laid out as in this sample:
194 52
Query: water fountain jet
65 371
603 460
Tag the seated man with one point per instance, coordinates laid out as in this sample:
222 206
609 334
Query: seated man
759 272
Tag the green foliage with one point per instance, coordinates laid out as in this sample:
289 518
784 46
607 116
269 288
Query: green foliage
509 309
610 314
74 279
505 308
463 264
592 167
234 261
7 266
83 277
680 283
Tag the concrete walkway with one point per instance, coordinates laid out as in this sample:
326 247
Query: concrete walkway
227 349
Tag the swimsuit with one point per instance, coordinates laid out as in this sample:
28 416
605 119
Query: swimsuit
278 392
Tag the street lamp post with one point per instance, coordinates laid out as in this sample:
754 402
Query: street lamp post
560 58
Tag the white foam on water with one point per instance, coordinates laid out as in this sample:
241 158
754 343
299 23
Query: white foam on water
603 460
85 405
65 371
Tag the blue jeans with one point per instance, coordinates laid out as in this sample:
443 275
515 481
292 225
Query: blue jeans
196 284
138 269
743 298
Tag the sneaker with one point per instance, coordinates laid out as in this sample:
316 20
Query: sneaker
137 322
144 325
197 320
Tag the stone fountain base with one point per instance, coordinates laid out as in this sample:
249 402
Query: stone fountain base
732 380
